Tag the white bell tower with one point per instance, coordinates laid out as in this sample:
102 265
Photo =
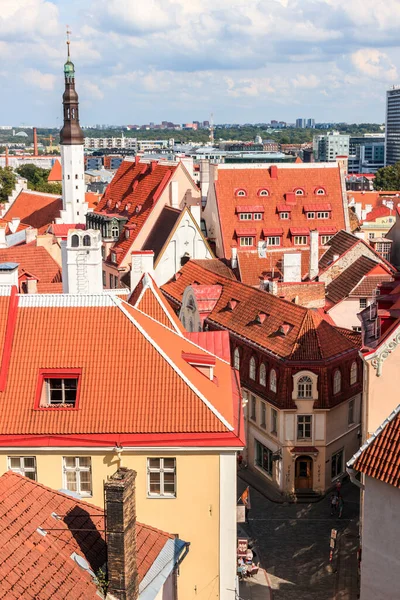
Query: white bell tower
72 157
82 265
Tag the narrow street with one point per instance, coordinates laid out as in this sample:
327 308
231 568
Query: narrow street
293 543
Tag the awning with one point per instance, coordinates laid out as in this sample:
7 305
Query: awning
249 209
317 207
299 231
327 230
246 232
273 231
284 208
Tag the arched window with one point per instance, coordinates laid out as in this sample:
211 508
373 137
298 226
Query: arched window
263 374
337 382
299 192
114 230
264 193
240 193
252 369
353 373
272 380
86 240
236 359
191 325
304 387
75 241
320 192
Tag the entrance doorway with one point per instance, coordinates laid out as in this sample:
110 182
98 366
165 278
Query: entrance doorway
304 473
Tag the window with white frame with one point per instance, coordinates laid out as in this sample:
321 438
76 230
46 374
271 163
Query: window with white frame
363 303
325 239
252 368
161 474
264 193
274 241
257 216
337 464
300 240
263 458
353 373
245 216
337 382
311 215
253 407
320 192
247 241
78 474
263 374
60 392
240 193
263 414
283 215
304 427
304 387
236 359
272 380
323 215
274 421
299 193
350 414
24 465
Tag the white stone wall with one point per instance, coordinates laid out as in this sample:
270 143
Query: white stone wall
73 184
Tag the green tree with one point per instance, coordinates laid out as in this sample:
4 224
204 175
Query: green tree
37 179
7 183
388 178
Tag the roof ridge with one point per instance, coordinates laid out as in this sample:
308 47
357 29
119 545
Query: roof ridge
148 283
374 436
190 384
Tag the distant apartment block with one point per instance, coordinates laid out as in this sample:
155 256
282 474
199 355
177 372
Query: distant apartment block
366 153
392 140
305 123
124 143
327 147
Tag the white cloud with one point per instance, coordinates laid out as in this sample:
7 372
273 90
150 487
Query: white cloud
374 64
91 91
306 81
44 81
22 18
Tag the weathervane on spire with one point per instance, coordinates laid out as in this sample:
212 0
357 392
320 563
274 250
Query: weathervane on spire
68 39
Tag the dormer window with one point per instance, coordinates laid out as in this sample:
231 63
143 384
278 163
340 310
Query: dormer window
299 192
127 234
323 215
115 229
58 389
245 216
240 193
113 257
284 215
263 193
247 241
320 192
304 387
311 215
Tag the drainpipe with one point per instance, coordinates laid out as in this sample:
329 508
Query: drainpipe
352 474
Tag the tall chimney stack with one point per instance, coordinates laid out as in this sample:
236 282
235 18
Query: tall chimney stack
121 535
35 147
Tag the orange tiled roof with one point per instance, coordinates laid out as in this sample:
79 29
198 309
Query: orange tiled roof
373 198
35 209
342 286
148 298
379 212
252 268
92 199
380 456
131 194
140 370
37 566
34 260
55 174
280 189
310 337
5 223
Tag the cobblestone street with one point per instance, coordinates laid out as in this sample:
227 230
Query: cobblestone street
293 543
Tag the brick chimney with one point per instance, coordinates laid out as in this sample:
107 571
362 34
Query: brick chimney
35 143
120 506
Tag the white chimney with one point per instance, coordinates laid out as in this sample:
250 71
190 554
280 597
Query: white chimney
195 209
292 267
142 262
82 262
174 194
9 273
3 243
204 179
335 257
234 261
30 234
31 286
313 269
13 224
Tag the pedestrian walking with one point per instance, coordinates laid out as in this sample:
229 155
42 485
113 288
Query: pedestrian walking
340 505
334 502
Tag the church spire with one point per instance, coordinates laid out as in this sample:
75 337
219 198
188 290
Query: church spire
71 133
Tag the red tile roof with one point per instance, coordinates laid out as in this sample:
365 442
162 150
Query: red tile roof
380 456
105 337
132 194
216 342
344 284
34 261
373 198
55 173
287 181
148 298
6 224
61 230
40 566
35 209
378 212
92 199
217 266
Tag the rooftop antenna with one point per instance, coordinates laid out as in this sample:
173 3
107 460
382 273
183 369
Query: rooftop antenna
212 129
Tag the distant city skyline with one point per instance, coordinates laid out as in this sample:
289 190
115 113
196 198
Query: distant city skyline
250 61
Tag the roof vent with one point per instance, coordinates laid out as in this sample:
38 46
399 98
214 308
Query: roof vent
56 516
41 531
232 303
128 206
177 275
82 563
109 202
117 205
261 317
285 328
138 208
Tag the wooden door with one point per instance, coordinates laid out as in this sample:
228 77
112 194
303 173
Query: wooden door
303 473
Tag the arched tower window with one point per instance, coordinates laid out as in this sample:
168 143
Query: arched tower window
86 240
272 380
304 387
263 374
114 229
236 359
75 241
353 373
252 369
337 382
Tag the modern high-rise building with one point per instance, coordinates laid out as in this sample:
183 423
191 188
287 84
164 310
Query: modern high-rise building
328 147
392 141
366 153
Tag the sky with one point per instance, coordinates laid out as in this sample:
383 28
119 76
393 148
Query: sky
138 61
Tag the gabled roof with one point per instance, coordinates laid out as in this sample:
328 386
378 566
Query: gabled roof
132 194
61 229
281 183
34 260
215 265
309 336
4 223
141 370
378 212
373 198
162 230
379 457
253 268
337 245
350 278
34 565
35 209
147 298
55 174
